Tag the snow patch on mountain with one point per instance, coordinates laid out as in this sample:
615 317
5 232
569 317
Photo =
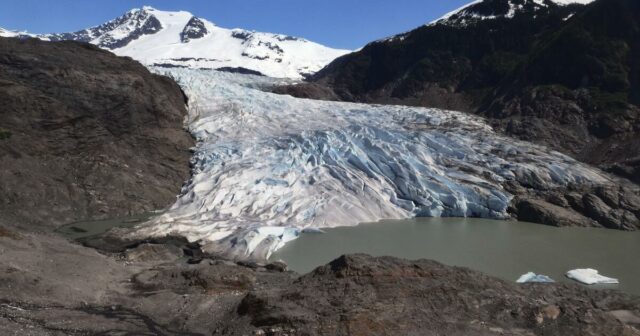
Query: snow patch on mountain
569 2
268 166
16 34
492 9
179 39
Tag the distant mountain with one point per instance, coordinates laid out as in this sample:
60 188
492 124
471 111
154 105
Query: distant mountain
560 73
493 9
179 39
10 33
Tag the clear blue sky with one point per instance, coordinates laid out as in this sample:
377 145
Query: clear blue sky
336 23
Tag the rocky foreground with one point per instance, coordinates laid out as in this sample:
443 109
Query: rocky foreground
49 286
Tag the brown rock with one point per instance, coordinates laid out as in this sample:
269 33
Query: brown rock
537 211
363 295
277 266
91 135
608 217
153 252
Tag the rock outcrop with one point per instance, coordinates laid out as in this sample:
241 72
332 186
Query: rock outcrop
611 207
85 134
363 295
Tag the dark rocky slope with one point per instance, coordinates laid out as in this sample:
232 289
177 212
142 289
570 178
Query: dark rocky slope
611 207
85 134
563 76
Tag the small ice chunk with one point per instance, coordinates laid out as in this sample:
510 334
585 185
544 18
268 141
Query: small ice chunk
532 277
590 276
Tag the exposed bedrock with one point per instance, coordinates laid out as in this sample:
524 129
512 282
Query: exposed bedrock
194 29
85 134
612 207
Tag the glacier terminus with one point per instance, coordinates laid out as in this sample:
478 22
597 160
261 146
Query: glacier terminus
268 166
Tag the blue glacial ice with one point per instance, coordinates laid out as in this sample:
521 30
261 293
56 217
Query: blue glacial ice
532 277
268 166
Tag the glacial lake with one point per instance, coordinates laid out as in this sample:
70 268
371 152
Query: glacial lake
505 249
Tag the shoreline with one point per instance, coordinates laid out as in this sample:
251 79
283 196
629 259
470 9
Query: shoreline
169 286
97 235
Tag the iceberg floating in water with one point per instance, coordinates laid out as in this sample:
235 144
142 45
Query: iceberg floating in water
590 276
532 277
267 160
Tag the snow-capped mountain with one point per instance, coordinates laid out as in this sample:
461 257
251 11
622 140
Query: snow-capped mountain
9 33
491 9
180 39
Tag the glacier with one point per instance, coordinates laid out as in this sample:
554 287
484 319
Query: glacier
268 167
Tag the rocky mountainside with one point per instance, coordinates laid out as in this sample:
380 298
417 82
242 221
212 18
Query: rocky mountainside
85 134
559 73
180 39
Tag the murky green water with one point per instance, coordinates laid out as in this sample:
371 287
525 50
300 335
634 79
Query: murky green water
86 229
504 249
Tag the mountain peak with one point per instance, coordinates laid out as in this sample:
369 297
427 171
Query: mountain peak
180 39
194 29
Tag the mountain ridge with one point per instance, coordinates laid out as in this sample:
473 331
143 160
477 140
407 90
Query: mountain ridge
181 39
491 9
